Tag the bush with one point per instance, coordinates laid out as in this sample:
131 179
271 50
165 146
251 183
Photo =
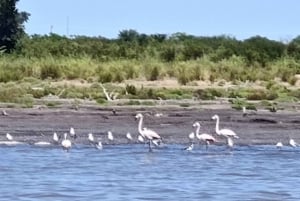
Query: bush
50 71
154 74
131 89
208 94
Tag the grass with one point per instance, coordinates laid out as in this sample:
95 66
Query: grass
22 80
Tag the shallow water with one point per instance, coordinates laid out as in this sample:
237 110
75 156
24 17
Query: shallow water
130 172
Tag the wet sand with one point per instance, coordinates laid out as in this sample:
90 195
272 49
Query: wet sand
172 123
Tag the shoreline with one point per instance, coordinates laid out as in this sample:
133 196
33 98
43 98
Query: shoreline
172 123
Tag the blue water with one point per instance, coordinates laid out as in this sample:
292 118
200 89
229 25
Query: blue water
130 172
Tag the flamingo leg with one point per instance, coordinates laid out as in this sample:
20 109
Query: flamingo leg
150 148
206 145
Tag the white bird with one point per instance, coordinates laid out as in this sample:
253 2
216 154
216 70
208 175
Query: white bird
292 143
207 138
42 143
230 142
128 136
146 133
225 132
158 114
191 136
110 136
4 113
72 133
244 111
91 138
55 137
9 137
66 143
99 145
141 139
11 143
189 148
279 145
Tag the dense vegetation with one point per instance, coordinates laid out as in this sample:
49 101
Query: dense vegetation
134 55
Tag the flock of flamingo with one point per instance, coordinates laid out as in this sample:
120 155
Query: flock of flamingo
145 135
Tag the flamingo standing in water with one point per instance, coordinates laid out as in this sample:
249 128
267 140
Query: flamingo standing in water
191 136
207 138
72 133
292 143
91 138
9 137
99 145
147 133
55 138
225 132
66 143
110 136
128 136
279 145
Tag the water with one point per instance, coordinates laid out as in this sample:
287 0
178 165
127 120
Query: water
130 172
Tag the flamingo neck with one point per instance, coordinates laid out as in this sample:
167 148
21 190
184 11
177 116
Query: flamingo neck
217 126
197 130
140 126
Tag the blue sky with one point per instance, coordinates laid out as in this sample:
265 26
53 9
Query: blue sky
274 19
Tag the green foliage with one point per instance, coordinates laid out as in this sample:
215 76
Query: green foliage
154 74
11 24
26 101
208 94
131 89
50 70
238 104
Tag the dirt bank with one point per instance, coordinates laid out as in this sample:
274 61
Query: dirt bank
172 123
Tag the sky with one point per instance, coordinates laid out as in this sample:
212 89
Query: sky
242 19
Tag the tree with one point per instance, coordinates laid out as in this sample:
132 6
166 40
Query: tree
11 24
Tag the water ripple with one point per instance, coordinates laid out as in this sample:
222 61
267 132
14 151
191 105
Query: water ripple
130 172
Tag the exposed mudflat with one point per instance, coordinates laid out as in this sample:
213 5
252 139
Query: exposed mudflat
172 123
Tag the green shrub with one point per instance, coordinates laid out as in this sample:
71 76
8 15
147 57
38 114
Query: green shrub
26 101
154 74
50 71
131 89
101 101
208 94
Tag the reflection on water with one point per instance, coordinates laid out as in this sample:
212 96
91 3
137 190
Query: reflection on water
130 172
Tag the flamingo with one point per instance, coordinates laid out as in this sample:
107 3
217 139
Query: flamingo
244 111
9 137
225 132
55 137
128 136
4 113
191 136
72 133
207 138
110 136
146 133
99 145
66 143
91 138
292 143
279 145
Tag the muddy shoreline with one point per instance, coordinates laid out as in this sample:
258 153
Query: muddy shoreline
172 123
